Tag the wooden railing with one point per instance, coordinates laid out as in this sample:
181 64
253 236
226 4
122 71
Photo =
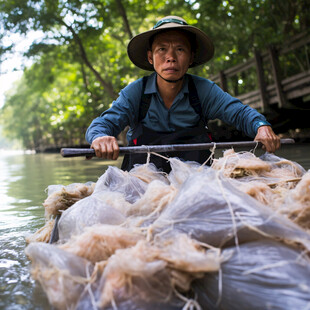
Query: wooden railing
275 83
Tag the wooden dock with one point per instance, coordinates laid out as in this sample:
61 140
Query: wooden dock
281 74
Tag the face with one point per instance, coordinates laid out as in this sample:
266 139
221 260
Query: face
171 54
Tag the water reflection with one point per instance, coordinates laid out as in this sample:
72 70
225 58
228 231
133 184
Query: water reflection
23 180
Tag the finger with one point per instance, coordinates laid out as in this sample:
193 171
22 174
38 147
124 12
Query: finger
278 144
98 149
271 147
116 150
109 151
95 147
103 151
274 144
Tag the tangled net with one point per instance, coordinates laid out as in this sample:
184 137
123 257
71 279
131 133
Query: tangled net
234 235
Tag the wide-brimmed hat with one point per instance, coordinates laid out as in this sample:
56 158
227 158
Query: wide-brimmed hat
140 44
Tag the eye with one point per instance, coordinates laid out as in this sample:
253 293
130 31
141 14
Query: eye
181 48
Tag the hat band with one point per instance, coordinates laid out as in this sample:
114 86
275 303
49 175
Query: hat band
169 20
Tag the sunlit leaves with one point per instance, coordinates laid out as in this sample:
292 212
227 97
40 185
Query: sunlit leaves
60 94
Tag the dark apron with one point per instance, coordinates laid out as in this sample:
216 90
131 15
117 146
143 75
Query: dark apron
198 134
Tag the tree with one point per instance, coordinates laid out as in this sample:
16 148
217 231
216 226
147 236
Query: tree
81 64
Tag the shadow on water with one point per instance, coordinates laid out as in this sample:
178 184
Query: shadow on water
23 180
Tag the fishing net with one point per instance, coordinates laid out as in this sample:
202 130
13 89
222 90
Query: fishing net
43 234
62 197
230 236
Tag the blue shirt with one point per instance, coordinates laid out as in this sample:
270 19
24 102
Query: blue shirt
215 103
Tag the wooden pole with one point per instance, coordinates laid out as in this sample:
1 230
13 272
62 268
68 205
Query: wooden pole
276 77
261 80
223 81
72 152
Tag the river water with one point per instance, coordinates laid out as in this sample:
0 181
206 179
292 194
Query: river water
23 180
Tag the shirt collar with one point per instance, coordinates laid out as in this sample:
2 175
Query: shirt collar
151 87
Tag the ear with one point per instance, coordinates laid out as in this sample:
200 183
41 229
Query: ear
150 57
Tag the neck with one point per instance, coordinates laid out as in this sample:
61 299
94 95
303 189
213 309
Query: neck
169 81
168 90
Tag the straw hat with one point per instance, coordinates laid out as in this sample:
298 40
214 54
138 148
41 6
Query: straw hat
139 45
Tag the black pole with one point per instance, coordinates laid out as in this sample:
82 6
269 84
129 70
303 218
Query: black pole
75 152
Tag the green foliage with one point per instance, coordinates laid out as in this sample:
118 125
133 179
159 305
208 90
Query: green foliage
81 64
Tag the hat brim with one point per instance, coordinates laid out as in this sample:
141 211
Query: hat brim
139 45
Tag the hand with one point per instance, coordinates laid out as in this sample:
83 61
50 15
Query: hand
270 141
106 147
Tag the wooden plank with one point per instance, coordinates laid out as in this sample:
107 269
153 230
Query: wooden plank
297 83
261 80
295 77
252 99
272 94
271 87
253 93
223 81
290 46
239 68
298 93
253 104
215 78
276 77
281 90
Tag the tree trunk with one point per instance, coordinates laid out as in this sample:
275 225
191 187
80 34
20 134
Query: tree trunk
124 17
106 85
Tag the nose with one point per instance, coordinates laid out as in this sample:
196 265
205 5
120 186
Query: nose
171 55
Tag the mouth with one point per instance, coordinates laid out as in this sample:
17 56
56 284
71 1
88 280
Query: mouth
170 70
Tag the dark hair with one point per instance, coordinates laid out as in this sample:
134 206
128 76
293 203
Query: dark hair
190 36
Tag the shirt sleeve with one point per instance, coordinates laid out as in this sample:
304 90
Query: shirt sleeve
218 104
123 112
